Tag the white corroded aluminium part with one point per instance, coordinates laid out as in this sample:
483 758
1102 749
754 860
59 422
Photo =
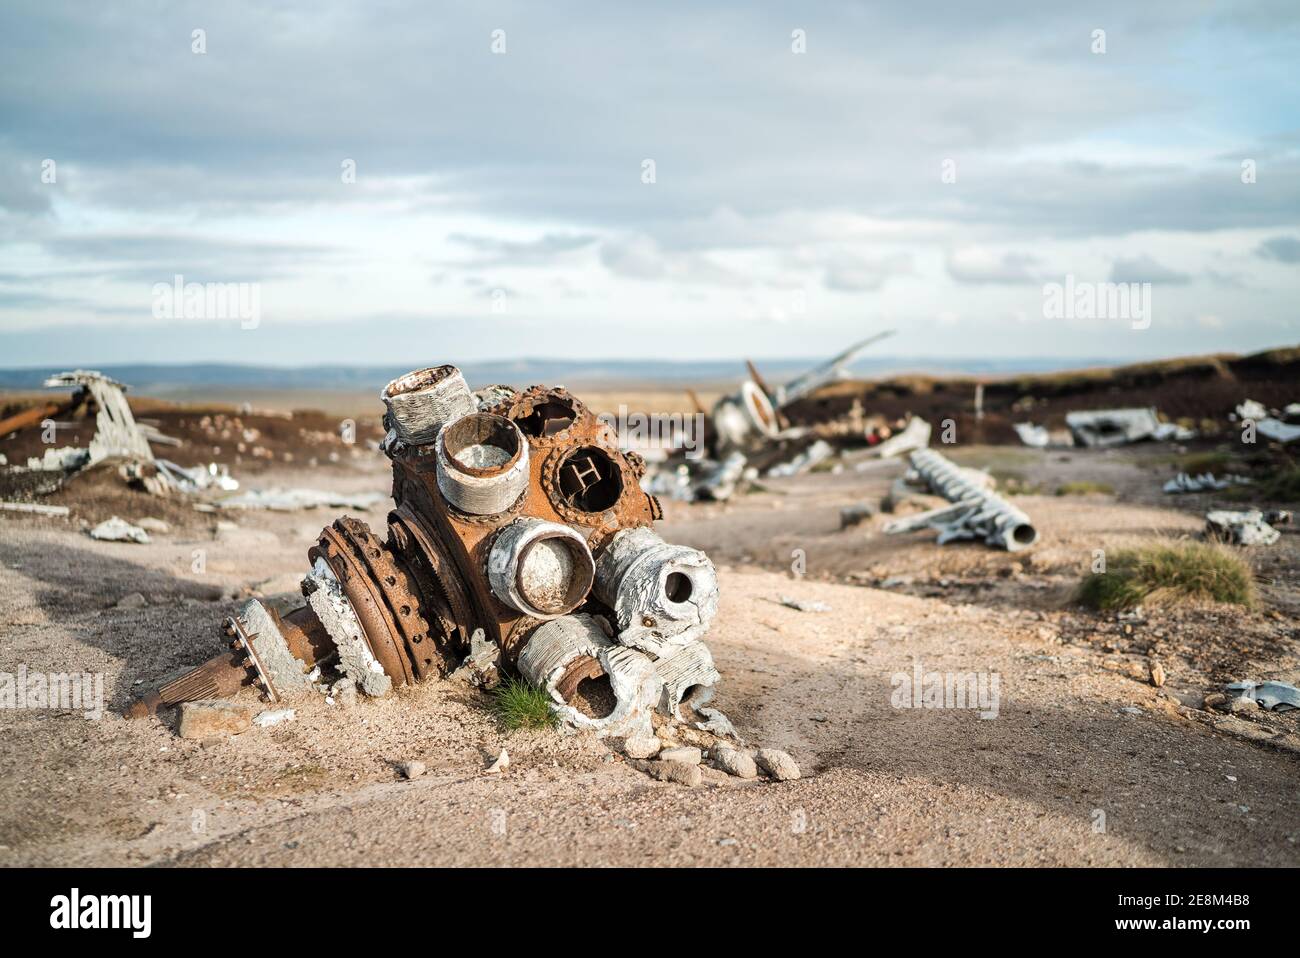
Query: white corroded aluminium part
1112 427
663 596
744 418
915 435
555 645
284 673
1248 528
542 569
117 529
485 494
688 673
976 511
421 402
335 612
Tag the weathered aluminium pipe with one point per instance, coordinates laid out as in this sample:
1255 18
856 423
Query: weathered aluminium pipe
975 512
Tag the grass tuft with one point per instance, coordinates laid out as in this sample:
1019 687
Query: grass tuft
1168 575
1280 486
519 704
1084 487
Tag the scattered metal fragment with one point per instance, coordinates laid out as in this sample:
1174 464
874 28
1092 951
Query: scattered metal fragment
1205 482
1031 435
519 542
1244 528
804 605
291 500
273 717
119 530
410 770
916 435
1271 696
1116 427
34 507
976 511
480 666
500 764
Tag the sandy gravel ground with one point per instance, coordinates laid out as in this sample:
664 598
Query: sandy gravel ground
1084 763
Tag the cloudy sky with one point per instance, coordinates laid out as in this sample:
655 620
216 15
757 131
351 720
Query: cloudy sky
433 181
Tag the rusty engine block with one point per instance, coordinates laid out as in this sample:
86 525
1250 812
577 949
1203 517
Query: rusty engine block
521 536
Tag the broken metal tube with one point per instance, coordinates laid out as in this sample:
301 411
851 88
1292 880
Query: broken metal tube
593 683
663 596
482 463
422 402
976 511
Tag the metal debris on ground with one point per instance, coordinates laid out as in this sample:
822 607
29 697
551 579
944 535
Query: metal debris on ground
1248 528
1270 696
804 605
518 525
119 530
1117 427
36 508
748 435
291 500
975 512
1275 427
1205 482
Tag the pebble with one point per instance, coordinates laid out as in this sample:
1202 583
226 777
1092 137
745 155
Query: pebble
1242 704
502 762
133 601
411 769
150 524
777 764
734 762
641 746
688 755
679 772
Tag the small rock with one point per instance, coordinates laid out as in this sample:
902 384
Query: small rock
686 754
213 718
734 762
856 514
150 524
679 772
1242 704
502 762
133 601
727 842
1157 674
641 746
1214 700
777 764
411 769
273 717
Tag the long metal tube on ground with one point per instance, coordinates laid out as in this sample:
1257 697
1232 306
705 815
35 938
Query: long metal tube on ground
976 511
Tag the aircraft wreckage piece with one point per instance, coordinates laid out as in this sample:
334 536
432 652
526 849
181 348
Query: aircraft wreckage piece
594 682
976 512
519 529
663 596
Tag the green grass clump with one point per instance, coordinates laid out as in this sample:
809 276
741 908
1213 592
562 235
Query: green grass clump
1084 487
519 704
1281 486
1168 575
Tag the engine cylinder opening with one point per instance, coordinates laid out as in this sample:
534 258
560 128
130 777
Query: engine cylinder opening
419 379
590 480
678 587
482 444
693 694
547 418
555 574
594 697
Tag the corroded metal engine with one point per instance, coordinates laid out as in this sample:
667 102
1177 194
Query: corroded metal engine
521 539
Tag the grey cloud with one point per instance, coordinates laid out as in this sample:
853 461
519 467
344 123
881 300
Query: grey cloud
983 266
1144 269
853 274
1280 249
498 252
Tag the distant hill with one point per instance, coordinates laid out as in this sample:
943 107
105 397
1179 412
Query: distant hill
163 379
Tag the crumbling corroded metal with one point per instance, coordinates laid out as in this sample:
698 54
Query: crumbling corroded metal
976 511
520 539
